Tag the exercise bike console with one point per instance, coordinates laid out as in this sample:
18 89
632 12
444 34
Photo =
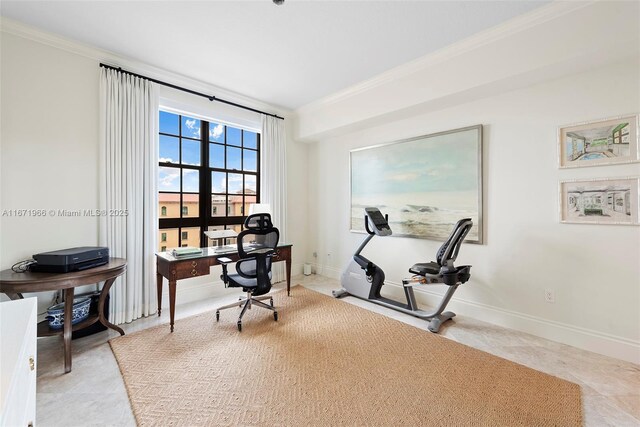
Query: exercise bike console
379 223
364 279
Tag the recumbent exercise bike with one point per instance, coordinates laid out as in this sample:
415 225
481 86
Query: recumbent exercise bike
364 279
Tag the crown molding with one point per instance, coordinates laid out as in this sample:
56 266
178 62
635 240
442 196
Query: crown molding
28 32
500 32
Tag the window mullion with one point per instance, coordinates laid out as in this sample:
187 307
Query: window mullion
181 221
205 179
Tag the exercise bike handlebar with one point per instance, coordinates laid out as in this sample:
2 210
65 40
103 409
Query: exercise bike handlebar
363 262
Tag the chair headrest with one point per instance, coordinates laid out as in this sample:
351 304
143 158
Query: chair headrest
258 221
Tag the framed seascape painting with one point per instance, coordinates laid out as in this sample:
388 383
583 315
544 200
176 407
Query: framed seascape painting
600 201
425 184
601 142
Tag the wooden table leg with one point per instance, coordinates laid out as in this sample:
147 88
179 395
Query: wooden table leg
288 267
159 285
172 302
68 328
101 301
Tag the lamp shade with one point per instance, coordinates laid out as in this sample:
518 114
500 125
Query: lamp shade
221 234
255 208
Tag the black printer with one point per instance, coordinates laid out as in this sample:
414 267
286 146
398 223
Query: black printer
72 259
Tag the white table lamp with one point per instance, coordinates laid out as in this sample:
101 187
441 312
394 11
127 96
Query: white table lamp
220 235
255 208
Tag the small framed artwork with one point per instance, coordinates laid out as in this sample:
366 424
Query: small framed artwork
600 201
601 142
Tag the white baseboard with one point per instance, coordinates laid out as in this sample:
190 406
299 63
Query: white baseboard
586 339
327 271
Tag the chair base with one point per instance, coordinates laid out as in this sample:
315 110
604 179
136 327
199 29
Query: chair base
246 303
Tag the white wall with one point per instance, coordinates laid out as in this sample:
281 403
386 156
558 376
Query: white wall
49 148
594 270
560 38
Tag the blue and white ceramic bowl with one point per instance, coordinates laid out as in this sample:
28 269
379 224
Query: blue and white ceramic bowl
80 312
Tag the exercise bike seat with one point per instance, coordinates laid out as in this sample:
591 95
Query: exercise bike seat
424 268
443 270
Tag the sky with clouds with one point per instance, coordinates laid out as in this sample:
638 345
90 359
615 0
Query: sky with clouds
169 152
443 163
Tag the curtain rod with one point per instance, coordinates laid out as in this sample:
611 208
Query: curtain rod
193 92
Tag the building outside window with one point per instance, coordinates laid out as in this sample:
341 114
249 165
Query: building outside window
208 176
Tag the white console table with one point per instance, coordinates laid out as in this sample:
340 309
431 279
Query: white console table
18 329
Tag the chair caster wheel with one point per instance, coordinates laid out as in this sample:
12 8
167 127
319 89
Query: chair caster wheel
239 326
275 316
271 301
217 316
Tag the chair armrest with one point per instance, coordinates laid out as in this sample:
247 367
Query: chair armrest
224 261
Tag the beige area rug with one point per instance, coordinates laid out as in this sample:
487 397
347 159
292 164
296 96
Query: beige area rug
327 362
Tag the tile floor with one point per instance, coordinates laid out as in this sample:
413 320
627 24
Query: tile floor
93 394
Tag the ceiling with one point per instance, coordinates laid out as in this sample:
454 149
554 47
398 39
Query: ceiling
286 55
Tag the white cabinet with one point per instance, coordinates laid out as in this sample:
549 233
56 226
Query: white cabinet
18 329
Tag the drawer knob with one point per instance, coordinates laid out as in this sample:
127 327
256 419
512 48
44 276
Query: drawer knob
32 363
194 272
194 263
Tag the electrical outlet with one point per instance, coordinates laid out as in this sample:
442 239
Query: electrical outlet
549 296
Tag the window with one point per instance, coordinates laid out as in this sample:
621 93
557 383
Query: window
621 134
208 176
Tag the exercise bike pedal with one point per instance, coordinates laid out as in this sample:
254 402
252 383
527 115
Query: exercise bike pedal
339 293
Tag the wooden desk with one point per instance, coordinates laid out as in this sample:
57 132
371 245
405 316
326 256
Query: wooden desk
175 269
15 284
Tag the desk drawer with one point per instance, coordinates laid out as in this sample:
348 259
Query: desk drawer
191 268
281 254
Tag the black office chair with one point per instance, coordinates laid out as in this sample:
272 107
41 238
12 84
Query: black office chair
256 246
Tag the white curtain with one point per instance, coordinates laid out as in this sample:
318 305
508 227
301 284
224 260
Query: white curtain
273 179
128 189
